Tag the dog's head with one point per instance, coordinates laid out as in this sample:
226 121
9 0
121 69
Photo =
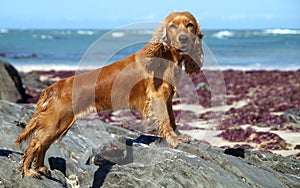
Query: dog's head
181 31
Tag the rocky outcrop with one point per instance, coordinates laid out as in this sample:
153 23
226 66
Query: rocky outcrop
11 87
95 154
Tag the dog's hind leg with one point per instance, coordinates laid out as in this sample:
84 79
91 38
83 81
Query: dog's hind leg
39 162
47 136
35 153
49 131
30 154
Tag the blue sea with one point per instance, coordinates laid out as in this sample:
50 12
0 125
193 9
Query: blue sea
266 49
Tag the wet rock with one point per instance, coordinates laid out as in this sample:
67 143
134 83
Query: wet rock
11 87
149 162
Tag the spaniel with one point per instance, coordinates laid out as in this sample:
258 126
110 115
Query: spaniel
144 81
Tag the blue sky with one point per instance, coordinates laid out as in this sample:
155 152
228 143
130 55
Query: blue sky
108 14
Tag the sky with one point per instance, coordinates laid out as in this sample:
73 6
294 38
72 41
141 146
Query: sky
110 14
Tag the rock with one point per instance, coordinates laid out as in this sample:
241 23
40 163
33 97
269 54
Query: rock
11 87
293 116
25 56
33 81
85 158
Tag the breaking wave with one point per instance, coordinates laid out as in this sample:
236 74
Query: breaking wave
117 34
223 34
85 32
282 31
4 31
43 37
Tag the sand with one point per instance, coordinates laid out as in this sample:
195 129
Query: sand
208 131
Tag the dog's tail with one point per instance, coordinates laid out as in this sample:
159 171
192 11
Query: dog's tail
33 124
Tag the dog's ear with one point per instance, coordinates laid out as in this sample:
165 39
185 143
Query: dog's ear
160 35
193 61
158 42
198 32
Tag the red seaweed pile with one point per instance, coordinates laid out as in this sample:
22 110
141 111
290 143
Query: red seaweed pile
266 141
269 98
268 93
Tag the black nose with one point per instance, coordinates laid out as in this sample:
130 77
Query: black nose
183 39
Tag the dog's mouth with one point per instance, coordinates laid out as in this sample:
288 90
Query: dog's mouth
182 49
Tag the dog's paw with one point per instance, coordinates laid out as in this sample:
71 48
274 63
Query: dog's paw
174 140
44 170
31 173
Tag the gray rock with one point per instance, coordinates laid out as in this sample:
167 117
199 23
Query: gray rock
78 160
11 87
32 80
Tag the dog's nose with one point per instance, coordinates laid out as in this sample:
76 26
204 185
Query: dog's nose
183 39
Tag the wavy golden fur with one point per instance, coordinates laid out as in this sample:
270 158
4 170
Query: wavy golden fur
144 81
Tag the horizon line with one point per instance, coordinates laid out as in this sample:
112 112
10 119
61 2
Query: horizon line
116 28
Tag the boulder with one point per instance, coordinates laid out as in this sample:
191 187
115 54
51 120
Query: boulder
11 87
95 154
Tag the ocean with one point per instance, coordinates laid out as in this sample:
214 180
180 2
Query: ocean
267 49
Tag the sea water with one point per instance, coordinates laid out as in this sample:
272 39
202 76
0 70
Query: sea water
266 49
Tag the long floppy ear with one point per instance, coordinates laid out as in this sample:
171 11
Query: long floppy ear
193 61
158 43
160 35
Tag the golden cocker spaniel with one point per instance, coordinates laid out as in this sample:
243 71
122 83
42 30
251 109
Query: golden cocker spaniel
144 81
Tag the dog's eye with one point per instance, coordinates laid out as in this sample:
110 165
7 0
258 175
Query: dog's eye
190 25
172 26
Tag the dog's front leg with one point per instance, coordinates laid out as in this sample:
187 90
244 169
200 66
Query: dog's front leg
163 114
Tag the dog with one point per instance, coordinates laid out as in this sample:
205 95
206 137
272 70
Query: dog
144 81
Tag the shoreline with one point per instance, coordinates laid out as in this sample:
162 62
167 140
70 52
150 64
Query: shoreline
54 67
33 68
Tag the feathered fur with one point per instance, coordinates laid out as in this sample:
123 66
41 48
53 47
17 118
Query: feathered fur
33 124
